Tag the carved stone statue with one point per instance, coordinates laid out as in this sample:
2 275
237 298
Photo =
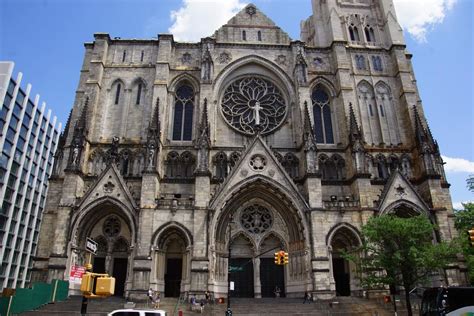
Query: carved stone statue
151 156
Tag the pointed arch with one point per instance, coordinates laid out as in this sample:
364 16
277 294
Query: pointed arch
322 113
221 164
162 231
388 115
97 209
348 230
266 68
139 89
369 113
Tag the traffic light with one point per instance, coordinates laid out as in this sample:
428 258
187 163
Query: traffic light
285 258
277 258
471 236
87 284
97 285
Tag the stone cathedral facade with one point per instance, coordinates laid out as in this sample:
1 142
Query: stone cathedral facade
173 150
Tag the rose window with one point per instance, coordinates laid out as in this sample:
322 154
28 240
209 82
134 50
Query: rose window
111 227
256 219
253 104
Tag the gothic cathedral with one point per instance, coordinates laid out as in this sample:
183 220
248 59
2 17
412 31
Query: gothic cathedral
249 141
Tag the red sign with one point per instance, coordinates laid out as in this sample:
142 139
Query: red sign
76 274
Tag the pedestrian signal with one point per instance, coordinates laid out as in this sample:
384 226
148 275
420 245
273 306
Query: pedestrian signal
97 285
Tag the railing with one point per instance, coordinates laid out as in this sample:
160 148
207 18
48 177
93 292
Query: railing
341 204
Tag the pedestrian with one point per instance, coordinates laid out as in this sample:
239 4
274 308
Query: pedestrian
156 300
202 305
150 295
208 297
277 291
307 297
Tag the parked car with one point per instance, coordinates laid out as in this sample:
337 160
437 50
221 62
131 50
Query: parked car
447 301
137 312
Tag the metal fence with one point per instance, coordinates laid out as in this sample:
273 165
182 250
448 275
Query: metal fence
26 299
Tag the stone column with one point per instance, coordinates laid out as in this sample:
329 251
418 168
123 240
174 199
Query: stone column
256 276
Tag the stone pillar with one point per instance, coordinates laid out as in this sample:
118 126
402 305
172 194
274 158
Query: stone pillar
256 276
200 260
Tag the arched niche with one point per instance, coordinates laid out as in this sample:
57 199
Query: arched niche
171 255
343 238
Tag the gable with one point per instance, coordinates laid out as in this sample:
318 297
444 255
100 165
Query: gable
109 184
258 161
258 28
397 191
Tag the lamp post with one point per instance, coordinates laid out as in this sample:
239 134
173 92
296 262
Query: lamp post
229 311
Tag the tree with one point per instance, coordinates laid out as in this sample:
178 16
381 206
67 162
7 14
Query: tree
470 183
400 252
463 222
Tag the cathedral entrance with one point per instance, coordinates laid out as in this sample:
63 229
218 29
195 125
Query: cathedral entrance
343 239
173 277
112 235
341 276
271 277
255 223
242 278
171 261
120 275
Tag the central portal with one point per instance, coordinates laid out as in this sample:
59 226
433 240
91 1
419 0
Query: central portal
271 277
242 277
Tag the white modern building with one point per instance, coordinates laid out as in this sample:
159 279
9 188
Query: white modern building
28 138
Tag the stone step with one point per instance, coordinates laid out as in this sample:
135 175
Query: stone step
239 306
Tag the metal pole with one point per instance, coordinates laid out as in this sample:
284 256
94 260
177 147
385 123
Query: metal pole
84 299
229 311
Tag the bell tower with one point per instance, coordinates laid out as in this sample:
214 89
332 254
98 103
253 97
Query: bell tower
370 23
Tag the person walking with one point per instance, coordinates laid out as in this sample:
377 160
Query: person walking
307 297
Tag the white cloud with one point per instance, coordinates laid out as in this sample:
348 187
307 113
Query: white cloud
417 17
458 165
459 205
200 18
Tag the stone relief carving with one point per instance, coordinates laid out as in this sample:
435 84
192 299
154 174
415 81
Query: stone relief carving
224 58
281 60
186 58
258 162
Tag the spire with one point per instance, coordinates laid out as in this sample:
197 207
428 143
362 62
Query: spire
308 132
204 135
154 128
203 143
153 138
354 130
420 131
64 134
82 121
77 143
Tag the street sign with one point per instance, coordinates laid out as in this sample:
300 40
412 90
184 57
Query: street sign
91 246
75 276
236 269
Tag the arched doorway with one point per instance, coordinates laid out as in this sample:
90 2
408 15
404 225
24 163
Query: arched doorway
272 276
270 221
344 239
241 266
113 237
171 257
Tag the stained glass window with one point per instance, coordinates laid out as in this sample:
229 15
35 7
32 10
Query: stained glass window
322 117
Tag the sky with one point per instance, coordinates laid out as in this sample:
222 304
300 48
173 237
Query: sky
45 40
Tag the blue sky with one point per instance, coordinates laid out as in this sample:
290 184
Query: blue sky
45 40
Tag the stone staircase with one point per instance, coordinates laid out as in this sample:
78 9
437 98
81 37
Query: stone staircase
239 306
